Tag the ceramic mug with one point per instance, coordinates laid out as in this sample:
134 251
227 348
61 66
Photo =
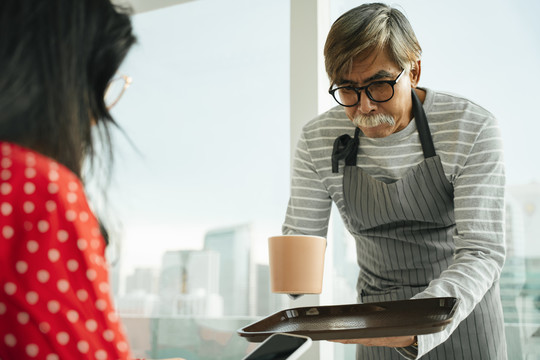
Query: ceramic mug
296 263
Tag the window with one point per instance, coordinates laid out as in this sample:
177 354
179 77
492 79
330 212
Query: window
193 200
207 182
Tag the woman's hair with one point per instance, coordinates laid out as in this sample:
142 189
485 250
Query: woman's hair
56 60
368 29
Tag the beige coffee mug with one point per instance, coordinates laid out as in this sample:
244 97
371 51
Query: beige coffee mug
296 263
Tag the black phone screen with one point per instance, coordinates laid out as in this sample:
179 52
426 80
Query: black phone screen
278 347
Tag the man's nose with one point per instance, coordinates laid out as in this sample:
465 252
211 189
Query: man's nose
366 105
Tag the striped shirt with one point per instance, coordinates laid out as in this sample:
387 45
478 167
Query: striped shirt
468 141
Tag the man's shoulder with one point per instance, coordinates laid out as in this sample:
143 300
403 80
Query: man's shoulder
448 103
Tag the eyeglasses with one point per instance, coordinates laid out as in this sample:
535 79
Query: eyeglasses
116 88
378 91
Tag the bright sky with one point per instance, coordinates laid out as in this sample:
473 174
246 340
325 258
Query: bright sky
209 108
209 112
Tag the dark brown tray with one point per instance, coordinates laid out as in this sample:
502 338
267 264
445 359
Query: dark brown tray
355 321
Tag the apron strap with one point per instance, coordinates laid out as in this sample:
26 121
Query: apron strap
422 125
346 148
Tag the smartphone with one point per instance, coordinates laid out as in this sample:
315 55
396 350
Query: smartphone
281 347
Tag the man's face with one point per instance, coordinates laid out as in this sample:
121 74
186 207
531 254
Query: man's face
380 119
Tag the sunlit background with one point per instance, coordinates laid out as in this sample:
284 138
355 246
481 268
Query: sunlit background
201 174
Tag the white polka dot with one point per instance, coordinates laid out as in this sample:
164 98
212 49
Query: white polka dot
32 246
52 357
83 216
53 306
82 244
96 232
50 206
5 188
91 274
30 172
44 327
43 276
99 260
91 325
29 188
53 165
71 215
72 186
2 308
101 304
53 255
21 266
83 346
71 197
23 318
32 350
53 175
6 149
5 174
82 295
28 207
7 232
10 340
30 160
6 209
43 226
62 338
122 346
10 288
101 355
62 235
103 287
72 265
53 188
113 317
108 335
62 285
32 297
72 316
6 162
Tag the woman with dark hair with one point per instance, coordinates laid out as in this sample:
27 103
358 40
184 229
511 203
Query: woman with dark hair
57 58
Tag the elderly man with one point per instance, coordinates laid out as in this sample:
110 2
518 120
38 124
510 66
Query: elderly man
418 178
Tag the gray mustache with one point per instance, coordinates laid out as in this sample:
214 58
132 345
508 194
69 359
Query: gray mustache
373 120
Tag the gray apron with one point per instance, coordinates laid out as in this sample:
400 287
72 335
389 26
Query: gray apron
404 239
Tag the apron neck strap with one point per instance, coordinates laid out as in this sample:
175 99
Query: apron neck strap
346 147
422 125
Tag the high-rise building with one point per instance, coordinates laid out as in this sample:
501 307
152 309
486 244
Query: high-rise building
142 280
140 297
267 302
233 246
188 283
520 280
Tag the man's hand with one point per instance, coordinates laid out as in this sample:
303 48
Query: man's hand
396 341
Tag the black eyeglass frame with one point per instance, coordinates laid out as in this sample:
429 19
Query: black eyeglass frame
358 90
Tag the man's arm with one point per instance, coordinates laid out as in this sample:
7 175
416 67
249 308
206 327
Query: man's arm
309 206
479 235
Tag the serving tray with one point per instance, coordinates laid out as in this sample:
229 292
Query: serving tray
355 321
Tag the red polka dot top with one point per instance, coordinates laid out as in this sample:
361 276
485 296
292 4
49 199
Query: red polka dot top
55 300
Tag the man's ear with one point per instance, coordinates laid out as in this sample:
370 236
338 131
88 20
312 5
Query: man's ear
414 74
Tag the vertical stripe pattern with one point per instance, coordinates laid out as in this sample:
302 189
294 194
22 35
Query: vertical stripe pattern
423 227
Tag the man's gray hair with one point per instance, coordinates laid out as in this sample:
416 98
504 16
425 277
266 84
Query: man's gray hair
368 29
